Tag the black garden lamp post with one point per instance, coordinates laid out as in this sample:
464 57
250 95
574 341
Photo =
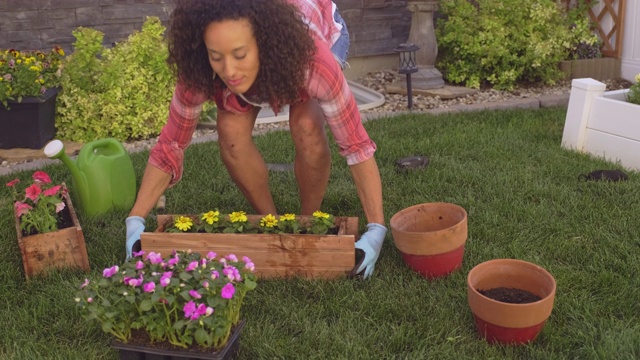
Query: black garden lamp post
407 54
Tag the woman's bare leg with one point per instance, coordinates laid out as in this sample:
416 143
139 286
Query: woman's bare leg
243 160
313 159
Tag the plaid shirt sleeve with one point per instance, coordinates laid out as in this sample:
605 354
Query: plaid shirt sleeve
327 84
318 14
184 111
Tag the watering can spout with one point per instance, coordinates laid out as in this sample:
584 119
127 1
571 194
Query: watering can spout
55 150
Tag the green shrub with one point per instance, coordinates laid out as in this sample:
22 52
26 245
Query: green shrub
633 96
503 42
123 92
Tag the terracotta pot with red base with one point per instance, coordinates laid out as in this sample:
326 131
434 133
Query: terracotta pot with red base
431 237
506 323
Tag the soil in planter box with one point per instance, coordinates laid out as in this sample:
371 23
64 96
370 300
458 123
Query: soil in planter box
510 295
64 221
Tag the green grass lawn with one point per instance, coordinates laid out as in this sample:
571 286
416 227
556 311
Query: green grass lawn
506 168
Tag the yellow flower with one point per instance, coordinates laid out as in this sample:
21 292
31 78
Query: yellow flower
638 78
34 68
19 61
320 215
269 221
286 217
183 223
211 217
238 216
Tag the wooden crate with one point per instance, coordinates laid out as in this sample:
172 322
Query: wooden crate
57 249
275 255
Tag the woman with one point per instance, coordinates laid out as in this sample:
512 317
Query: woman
245 54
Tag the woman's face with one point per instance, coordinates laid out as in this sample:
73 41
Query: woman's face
233 53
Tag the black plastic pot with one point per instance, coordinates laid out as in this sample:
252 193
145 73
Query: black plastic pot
141 352
29 123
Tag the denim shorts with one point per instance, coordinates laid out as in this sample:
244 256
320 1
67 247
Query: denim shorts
340 48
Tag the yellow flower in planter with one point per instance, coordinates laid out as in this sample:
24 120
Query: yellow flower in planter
183 223
289 224
321 223
238 223
211 221
269 224
28 73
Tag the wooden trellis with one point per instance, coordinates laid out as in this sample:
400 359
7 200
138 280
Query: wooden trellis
609 22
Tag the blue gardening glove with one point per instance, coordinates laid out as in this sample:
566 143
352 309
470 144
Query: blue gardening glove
135 226
371 243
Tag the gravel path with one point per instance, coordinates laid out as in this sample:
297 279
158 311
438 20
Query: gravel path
393 103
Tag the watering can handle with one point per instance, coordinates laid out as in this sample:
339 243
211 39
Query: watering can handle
100 143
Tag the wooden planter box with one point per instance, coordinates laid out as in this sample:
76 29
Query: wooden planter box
598 69
58 249
275 255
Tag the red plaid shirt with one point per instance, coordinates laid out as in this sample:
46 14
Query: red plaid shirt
325 83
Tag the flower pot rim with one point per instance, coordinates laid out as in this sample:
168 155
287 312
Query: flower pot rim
542 270
411 209
433 242
508 314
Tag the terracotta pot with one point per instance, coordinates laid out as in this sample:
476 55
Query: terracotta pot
500 322
431 237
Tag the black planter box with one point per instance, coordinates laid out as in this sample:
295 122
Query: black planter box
140 352
30 123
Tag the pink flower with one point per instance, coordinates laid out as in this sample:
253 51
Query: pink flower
232 258
174 260
210 255
149 287
154 258
90 300
195 294
13 182
33 191
209 311
228 291
215 274
250 266
192 266
246 259
52 190
85 283
166 278
139 253
189 308
60 206
41 176
139 265
205 284
109 272
22 208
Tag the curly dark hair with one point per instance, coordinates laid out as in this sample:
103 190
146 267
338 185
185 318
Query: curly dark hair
284 41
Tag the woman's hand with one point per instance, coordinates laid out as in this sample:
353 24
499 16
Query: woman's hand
371 243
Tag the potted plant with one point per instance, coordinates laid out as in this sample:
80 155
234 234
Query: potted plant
29 83
320 245
181 306
510 300
604 123
431 237
48 231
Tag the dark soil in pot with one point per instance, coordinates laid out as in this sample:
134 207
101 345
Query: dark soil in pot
510 295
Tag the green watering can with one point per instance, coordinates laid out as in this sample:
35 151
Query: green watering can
103 175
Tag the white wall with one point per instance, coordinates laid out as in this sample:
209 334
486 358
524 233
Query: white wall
630 58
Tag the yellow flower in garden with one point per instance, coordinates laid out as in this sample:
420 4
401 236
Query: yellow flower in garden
269 221
238 216
211 217
286 217
320 215
183 223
